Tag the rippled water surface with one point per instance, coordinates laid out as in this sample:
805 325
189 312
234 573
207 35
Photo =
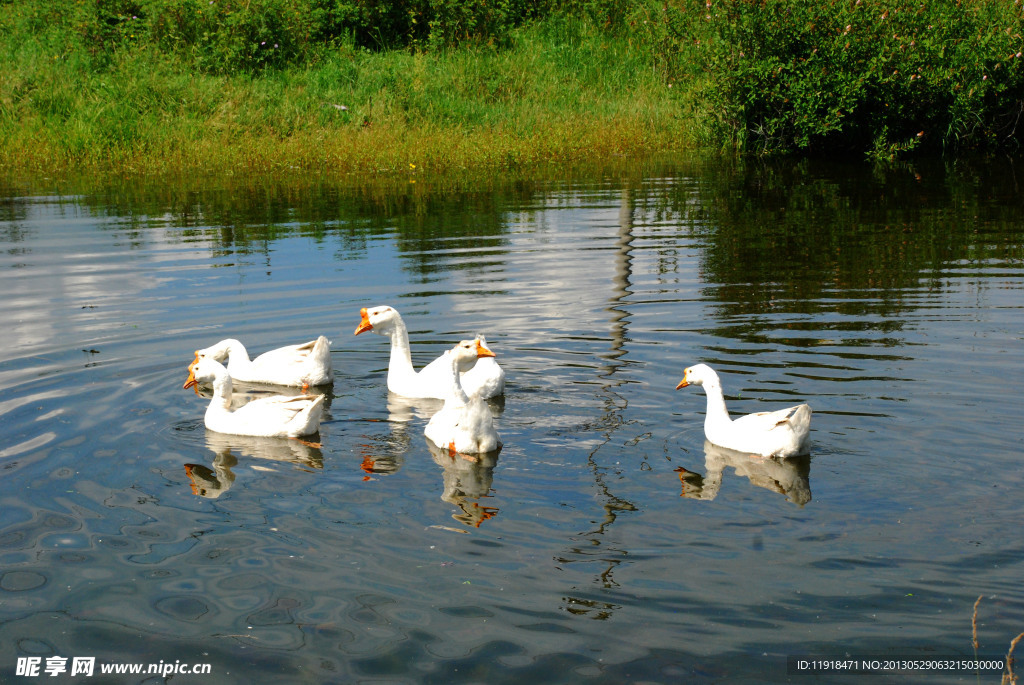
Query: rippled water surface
607 542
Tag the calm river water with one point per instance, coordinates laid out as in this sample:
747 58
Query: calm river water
607 543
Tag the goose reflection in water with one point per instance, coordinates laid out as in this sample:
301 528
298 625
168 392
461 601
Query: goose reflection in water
466 479
384 453
382 461
789 476
212 483
406 409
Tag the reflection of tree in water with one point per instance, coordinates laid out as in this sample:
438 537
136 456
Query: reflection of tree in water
15 228
429 220
13 212
615 405
804 239
775 234
246 219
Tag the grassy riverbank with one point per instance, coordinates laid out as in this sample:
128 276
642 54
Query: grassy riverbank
237 87
558 91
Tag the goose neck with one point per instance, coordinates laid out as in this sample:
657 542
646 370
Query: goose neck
237 355
717 411
222 390
458 393
401 356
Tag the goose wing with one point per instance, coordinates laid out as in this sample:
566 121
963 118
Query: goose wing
765 421
277 410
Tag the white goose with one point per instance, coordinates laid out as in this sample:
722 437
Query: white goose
464 424
302 365
782 433
272 417
486 379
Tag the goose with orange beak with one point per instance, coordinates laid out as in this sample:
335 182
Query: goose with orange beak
464 424
304 366
272 417
780 433
485 379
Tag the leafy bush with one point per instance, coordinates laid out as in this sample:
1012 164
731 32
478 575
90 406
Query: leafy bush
882 76
223 36
436 24
230 35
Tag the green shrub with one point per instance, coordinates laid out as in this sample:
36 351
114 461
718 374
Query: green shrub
239 35
876 76
435 24
224 36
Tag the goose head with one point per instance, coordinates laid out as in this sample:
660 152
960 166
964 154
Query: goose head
204 370
220 351
699 374
190 382
466 352
376 319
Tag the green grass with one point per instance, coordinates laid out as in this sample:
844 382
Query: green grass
562 90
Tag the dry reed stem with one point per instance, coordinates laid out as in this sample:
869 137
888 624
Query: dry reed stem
974 625
1009 678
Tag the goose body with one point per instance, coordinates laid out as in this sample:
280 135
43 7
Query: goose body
486 379
464 424
302 365
272 417
781 433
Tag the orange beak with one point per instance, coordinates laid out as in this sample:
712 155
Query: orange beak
190 382
365 324
683 383
482 351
